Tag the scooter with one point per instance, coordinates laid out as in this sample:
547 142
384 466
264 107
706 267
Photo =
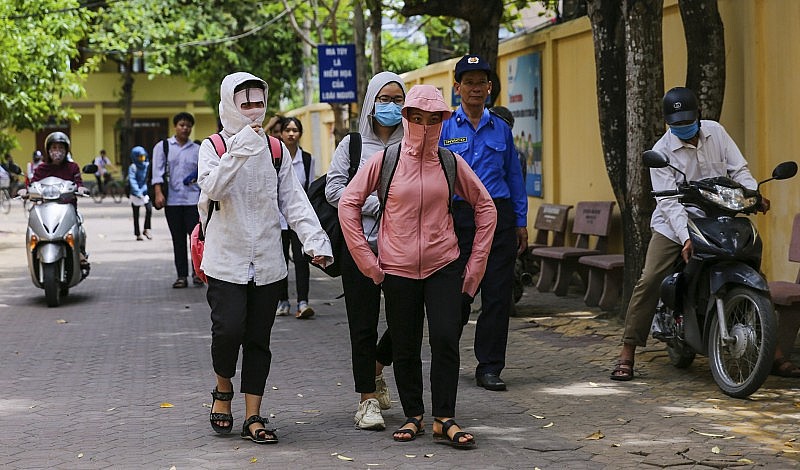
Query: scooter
718 304
55 238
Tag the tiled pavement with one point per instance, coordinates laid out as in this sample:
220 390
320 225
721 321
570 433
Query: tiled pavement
86 385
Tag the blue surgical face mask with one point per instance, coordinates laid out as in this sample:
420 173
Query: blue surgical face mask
685 132
388 114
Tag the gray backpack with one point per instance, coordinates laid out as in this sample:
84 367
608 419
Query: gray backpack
390 157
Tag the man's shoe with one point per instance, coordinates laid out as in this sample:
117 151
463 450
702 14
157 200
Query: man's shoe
369 415
283 308
491 382
382 393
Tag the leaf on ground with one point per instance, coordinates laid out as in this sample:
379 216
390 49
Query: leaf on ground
746 461
61 321
274 388
715 450
301 422
789 443
166 405
592 384
707 434
411 456
300 395
342 457
548 425
111 409
253 460
272 415
80 456
338 384
537 416
792 439
597 435
797 404
173 468
614 445
428 455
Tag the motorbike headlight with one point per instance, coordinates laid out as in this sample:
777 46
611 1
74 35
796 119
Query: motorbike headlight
51 191
729 198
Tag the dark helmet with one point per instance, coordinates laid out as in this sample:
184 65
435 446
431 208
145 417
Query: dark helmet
680 104
56 137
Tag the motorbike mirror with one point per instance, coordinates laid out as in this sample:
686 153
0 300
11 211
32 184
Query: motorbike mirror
784 171
655 159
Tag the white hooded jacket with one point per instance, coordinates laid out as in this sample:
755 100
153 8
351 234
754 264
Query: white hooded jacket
243 237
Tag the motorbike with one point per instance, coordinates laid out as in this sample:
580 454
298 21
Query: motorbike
718 304
54 238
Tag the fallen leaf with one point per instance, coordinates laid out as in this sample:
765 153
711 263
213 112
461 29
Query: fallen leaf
374 464
597 435
792 439
411 456
614 445
61 322
206 405
253 460
743 460
707 434
339 384
32 407
428 455
274 388
80 456
548 425
592 384
342 457
173 468
111 409
300 395
538 417
788 444
715 450
166 405
272 415
667 416
301 422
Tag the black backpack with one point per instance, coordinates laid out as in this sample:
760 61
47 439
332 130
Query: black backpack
327 214
151 191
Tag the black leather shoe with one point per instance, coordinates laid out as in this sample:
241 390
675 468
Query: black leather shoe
491 382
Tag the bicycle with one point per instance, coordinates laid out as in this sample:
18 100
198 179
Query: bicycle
112 187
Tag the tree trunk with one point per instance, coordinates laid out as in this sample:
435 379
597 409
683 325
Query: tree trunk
705 46
126 103
308 72
629 68
360 40
375 25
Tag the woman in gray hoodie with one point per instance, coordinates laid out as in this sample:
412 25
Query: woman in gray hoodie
379 127
243 257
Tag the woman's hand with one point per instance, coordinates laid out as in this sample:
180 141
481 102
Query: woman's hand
322 261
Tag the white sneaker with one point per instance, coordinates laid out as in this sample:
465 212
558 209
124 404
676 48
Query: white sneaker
382 392
303 310
369 415
283 308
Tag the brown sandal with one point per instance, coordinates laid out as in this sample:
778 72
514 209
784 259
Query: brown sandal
623 371
783 367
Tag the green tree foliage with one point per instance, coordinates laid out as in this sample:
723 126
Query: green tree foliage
39 44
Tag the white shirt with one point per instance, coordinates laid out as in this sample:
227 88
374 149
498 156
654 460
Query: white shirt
300 172
716 154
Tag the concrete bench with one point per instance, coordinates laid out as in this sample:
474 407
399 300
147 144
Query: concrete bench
558 264
605 280
786 297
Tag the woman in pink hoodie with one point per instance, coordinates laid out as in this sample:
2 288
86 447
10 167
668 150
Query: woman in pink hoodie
416 265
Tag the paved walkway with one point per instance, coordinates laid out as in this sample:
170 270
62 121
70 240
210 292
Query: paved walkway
119 377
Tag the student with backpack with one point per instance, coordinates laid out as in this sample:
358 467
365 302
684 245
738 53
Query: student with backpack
303 165
418 267
248 187
379 126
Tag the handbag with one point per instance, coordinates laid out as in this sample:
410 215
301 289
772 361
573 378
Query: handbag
327 214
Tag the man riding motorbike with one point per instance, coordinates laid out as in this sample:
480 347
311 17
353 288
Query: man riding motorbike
701 149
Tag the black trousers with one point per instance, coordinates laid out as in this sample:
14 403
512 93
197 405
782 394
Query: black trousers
148 214
181 221
301 270
242 316
362 300
491 331
408 302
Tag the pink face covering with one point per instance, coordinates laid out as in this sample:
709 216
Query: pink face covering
251 95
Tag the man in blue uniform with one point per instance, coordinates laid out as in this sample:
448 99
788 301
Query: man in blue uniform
486 143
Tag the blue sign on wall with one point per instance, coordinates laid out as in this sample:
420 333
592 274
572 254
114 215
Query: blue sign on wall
337 73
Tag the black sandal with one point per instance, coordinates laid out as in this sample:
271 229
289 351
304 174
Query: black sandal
455 441
224 417
409 432
623 371
180 283
261 435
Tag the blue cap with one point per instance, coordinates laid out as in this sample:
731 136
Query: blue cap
469 63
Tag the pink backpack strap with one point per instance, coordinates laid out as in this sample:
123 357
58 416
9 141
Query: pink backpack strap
276 151
219 144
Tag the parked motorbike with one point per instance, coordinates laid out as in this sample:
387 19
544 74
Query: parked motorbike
718 304
54 238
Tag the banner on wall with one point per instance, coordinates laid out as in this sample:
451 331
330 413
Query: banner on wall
525 103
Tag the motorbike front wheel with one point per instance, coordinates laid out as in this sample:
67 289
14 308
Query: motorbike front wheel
52 289
740 366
